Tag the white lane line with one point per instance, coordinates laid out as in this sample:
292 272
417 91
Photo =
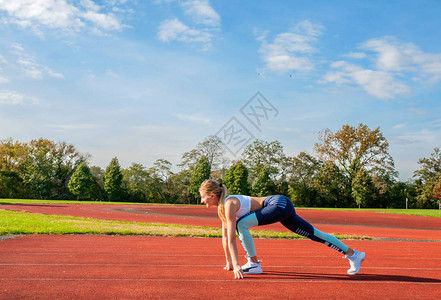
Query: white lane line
211 255
121 254
201 266
266 280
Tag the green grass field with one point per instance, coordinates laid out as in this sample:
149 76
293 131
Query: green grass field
23 223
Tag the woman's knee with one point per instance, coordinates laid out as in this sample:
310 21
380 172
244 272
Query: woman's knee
246 222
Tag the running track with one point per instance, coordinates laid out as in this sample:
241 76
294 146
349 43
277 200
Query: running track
130 267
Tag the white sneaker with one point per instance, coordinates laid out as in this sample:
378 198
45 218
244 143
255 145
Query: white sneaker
355 261
252 267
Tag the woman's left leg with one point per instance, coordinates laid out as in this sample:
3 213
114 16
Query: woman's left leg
242 227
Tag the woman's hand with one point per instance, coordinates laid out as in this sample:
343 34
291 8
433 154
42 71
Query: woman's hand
229 266
238 273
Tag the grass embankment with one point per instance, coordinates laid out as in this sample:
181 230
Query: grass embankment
20 223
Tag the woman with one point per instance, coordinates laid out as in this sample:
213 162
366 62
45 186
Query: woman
239 213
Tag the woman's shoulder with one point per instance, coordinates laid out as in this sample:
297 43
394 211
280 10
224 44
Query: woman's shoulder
237 197
232 201
231 197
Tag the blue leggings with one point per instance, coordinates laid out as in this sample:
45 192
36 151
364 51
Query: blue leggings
280 209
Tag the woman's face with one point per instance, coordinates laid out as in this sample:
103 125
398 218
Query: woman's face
209 200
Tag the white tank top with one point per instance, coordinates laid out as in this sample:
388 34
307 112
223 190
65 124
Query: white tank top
245 205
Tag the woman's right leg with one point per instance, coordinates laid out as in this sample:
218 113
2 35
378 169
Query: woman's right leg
302 227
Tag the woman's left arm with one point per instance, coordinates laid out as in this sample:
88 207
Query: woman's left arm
231 208
228 265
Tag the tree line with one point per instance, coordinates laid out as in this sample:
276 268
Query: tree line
352 167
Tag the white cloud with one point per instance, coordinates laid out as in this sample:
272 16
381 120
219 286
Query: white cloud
201 12
4 62
436 123
28 64
357 55
73 127
309 28
288 62
423 136
170 30
393 55
3 59
380 84
198 119
111 74
418 111
290 51
395 63
68 16
206 22
3 79
14 98
399 126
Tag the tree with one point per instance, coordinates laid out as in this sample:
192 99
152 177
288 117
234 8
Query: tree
159 175
11 156
65 160
113 180
48 166
263 186
436 192
329 183
399 194
11 185
178 190
430 167
428 176
81 182
38 168
236 179
302 168
211 148
98 193
200 173
42 167
301 173
263 155
135 182
161 169
363 189
353 149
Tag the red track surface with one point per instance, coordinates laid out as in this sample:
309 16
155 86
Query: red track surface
98 267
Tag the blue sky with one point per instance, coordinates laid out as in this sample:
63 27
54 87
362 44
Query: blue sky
143 80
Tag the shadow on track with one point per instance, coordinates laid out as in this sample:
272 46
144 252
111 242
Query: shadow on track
360 277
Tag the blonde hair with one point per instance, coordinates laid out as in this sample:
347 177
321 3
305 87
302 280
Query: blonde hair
211 186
